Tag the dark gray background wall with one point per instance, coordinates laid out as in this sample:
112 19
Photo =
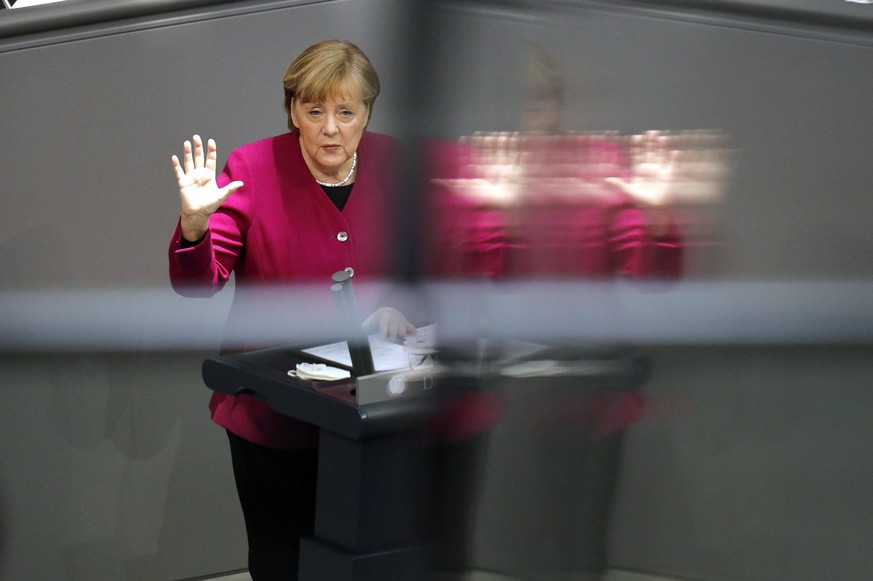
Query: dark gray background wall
751 462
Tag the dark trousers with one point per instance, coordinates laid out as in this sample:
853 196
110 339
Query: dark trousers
277 493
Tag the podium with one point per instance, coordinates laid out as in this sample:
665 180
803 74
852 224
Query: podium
372 489
372 472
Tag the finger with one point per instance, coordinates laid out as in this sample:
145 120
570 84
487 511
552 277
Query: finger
651 146
384 323
228 190
189 160
400 328
395 326
211 154
619 184
637 148
198 151
665 147
177 168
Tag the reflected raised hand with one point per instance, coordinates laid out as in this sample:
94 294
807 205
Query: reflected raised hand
653 162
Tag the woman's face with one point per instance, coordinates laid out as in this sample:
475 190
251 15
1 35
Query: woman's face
330 131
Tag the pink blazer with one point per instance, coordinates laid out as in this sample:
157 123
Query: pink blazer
280 227
549 236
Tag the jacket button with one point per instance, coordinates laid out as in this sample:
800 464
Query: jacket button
350 270
342 236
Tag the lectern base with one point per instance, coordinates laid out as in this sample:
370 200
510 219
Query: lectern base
320 562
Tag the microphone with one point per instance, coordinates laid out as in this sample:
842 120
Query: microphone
359 345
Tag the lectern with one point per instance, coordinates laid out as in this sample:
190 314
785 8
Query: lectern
371 491
372 468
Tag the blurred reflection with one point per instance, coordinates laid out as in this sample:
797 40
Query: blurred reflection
572 204
547 203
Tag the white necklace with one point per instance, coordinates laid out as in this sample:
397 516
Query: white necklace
347 178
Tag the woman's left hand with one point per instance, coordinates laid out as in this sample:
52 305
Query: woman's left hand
390 323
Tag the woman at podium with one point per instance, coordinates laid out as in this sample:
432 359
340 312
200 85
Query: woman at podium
293 208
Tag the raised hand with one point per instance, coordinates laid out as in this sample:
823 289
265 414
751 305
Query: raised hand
653 162
199 193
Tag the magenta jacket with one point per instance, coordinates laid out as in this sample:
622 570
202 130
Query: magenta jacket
550 235
280 227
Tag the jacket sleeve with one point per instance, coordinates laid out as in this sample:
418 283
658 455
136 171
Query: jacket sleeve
203 269
669 254
636 253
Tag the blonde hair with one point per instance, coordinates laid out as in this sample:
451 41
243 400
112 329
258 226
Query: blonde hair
324 69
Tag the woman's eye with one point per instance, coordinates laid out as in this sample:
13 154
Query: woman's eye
315 113
346 114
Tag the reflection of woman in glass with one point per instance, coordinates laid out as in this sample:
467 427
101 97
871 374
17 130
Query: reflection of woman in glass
549 204
546 203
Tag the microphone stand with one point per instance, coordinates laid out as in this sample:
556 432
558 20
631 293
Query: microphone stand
359 345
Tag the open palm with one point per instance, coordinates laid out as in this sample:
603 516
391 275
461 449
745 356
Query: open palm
199 193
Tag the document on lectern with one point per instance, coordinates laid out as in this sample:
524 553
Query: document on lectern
387 355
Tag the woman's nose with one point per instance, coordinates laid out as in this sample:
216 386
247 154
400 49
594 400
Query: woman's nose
329 125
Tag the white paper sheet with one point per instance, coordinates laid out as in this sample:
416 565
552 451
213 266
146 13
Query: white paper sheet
387 355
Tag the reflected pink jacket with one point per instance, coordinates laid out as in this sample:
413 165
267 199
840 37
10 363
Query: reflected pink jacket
549 237
280 227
